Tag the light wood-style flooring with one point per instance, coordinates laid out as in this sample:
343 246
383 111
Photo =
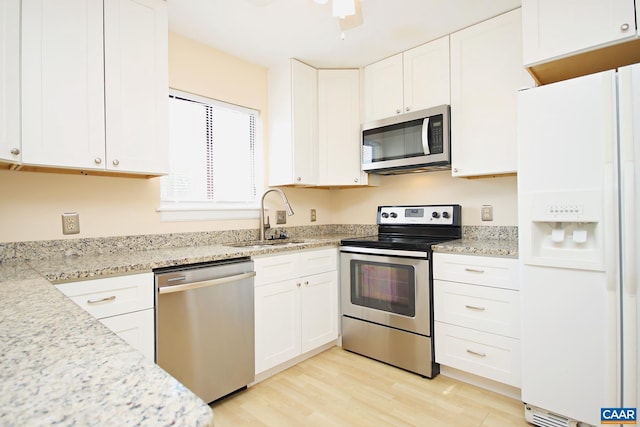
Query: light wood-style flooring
339 388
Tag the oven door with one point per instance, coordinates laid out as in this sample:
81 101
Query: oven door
386 289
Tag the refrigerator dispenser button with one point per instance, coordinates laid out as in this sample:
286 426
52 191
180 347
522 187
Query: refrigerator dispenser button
557 235
580 236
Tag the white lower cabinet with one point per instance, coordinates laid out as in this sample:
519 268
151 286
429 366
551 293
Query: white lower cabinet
296 305
124 304
477 315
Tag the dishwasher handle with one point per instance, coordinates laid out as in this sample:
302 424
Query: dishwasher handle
205 283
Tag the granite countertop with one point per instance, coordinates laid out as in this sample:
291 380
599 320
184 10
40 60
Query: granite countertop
487 247
61 366
65 269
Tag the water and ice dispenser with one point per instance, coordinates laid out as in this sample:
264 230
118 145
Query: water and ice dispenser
566 230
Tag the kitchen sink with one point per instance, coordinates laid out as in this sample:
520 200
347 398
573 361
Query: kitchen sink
264 243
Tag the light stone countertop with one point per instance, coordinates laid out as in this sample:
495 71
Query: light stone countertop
486 247
61 366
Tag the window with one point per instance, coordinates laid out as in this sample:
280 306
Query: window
215 166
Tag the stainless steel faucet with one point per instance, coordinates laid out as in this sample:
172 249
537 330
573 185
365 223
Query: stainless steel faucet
286 205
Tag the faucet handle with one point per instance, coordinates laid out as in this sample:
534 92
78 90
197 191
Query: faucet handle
266 223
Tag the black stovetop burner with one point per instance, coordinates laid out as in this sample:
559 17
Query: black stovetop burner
412 227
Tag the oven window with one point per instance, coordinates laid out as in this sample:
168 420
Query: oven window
384 286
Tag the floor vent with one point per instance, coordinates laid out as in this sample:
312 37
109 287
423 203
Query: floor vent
542 418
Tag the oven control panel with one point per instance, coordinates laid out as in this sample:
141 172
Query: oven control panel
419 215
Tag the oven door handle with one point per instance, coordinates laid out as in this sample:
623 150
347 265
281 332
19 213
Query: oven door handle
388 252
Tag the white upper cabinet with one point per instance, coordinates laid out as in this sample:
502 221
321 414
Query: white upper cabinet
409 81
553 29
339 128
10 147
571 38
136 76
486 73
314 126
293 124
94 85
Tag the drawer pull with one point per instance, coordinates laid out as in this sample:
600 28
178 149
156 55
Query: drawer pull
474 307
476 353
98 300
474 270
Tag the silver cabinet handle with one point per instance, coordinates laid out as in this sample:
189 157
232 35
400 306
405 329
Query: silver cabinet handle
298 284
476 353
624 27
116 162
455 170
299 179
474 307
98 300
355 179
474 270
398 111
408 108
204 283
15 151
97 160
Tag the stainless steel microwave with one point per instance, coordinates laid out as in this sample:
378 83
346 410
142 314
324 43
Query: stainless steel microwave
411 142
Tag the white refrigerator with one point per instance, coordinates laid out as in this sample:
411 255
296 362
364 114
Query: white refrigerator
578 204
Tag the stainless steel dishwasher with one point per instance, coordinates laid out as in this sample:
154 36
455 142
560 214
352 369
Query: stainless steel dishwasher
205 326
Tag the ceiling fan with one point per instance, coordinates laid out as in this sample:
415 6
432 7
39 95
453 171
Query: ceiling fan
348 12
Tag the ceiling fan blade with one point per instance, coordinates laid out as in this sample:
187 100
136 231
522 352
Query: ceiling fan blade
352 21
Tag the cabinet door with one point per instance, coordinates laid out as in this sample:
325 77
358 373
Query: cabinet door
319 310
426 75
135 328
339 128
277 323
293 124
136 85
63 83
305 123
383 88
486 73
10 80
554 29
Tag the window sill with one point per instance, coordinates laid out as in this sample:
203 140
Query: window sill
170 213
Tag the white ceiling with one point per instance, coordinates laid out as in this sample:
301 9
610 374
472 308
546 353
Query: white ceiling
267 31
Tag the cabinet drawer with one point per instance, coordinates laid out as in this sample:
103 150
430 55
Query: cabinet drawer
480 353
113 295
271 269
314 262
484 308
487 271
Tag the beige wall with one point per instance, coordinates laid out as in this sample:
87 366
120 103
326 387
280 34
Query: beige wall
359 205
31 203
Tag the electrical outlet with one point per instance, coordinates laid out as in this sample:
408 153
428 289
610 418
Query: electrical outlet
487 213
70 223
313 215
281 217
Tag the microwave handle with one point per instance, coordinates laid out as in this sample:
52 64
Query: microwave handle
425 136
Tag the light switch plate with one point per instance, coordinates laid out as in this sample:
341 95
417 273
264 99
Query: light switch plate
281 217
313 215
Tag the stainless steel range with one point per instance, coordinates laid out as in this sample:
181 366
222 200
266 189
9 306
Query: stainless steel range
387 285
